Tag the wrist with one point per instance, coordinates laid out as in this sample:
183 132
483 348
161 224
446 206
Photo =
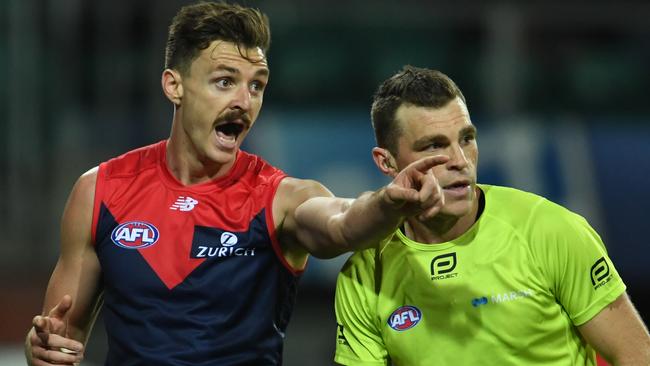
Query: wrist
386 201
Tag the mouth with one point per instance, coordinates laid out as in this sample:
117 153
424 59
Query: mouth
229 130
227 133
458 185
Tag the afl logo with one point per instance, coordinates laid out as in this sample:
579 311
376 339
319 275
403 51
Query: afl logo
135 235
405 317
228 239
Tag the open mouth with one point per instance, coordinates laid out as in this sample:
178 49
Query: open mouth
230 130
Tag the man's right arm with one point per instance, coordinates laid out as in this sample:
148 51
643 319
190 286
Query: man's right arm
66 321
327 226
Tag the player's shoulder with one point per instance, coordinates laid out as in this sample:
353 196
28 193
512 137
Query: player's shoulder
135 161
528 211
294 191
501 195
303 187
86 181
257 166
508 201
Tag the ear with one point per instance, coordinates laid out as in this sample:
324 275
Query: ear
172 85
384 161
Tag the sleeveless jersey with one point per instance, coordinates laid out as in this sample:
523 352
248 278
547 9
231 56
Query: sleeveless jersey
509 291
192 275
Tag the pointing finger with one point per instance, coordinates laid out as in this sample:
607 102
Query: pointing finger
429 162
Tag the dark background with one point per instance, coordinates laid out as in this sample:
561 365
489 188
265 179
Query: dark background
557 89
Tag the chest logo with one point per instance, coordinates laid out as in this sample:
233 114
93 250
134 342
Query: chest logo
228 239
135 235
184 203
442 266
404 317
216 243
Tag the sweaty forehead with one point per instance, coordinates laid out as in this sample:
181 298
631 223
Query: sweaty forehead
221 52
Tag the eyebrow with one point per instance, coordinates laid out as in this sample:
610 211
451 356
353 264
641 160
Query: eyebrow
260 72
468 129
442 138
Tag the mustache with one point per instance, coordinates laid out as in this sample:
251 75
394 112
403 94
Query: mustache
233 115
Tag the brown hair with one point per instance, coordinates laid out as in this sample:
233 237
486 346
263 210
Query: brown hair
196 26
412 85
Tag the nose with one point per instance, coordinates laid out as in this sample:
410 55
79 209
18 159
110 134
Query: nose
241 99
457 158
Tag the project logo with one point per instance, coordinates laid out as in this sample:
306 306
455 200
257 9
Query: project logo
442 266
600 273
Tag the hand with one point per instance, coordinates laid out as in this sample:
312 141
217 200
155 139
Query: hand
48 340
415 190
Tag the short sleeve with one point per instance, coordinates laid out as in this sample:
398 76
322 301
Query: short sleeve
578 270
358 339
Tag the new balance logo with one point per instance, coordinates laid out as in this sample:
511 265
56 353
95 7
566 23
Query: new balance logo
184 203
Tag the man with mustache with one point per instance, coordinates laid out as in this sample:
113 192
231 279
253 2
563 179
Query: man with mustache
498 277
192 246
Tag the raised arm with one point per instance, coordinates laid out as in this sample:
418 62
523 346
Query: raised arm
72 297
618 334
327 226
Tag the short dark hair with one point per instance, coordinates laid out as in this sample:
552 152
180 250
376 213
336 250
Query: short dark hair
196 26
412 85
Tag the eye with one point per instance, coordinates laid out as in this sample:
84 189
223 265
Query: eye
435 145
257 86
469 138
224 83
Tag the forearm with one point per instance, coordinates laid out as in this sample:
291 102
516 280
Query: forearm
642 357
367 220
330 226
618 334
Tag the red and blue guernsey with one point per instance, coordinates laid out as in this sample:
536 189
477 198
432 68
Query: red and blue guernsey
191 275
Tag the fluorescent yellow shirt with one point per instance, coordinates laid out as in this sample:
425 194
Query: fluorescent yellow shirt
509 291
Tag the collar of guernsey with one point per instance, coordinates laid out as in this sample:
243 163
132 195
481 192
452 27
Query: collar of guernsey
464 239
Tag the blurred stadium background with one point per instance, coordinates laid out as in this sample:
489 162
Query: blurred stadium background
558 90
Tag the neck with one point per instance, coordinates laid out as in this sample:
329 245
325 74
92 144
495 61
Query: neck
187 165
443 228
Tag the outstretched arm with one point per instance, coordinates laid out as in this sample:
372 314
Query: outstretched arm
57 336
618 334
327 226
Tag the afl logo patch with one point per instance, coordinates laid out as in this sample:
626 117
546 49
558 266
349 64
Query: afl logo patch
135 235
404 317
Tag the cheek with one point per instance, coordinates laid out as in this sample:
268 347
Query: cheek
404 159
471 153
256 106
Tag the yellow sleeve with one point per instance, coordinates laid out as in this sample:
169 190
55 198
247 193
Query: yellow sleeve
578 269
358 339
